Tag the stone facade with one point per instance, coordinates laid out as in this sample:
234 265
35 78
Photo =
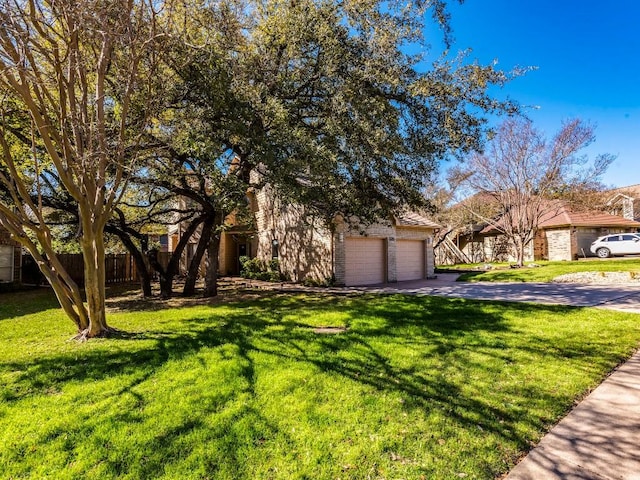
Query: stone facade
571 243
554 244
497 248
305 247
559 244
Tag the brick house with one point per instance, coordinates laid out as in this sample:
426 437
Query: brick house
10 258
394 250
562 235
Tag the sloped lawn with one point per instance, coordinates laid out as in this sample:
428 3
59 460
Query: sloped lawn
414 388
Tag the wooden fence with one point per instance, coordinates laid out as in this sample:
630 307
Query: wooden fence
119 268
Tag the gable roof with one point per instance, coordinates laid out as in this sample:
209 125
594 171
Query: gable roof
563 216
631 190
413 219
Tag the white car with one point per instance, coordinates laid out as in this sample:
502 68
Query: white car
619 244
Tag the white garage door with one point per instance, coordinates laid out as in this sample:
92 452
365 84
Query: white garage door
365 261
410 260
6 263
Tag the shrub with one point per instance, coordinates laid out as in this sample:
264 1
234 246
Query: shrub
317 282
256 269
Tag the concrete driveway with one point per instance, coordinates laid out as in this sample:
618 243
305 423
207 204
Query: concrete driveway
624 297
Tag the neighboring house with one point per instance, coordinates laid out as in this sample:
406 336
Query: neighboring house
625 202
397 250
562 235
10 258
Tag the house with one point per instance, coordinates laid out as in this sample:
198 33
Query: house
10 258
562 234
393 250
625 202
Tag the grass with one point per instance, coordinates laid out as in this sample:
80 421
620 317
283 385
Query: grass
547 271
416 387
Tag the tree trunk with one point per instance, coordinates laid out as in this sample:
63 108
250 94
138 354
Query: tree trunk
520 251
143 275
167 275
66 290
138 257
194 266
92 244
211 275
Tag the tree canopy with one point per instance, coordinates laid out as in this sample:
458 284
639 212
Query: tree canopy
326 101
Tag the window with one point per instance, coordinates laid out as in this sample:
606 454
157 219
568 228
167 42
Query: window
629 237
274 248
6 263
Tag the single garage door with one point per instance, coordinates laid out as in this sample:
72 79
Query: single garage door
410 260
6 263
365 261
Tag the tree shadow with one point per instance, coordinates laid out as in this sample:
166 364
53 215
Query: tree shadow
281 327
26 302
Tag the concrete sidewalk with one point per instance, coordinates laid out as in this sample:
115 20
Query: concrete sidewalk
598 440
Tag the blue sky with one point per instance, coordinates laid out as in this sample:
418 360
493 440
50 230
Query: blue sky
587 57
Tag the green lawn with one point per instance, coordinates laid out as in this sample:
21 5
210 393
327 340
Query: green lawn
546 271
416 387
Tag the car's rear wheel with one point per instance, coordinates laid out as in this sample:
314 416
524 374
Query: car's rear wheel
603 253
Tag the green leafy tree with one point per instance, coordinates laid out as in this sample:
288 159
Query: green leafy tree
321 100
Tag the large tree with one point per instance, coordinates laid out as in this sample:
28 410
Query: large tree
323 102
341 116
80 78
529 176
323 99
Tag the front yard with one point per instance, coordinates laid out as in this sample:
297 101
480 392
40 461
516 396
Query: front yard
544 271
407 387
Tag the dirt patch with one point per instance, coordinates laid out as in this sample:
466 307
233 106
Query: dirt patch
599 278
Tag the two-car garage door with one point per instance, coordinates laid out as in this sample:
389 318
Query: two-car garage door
410 260
366 260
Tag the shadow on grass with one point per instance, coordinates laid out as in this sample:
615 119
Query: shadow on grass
26 302
281 328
